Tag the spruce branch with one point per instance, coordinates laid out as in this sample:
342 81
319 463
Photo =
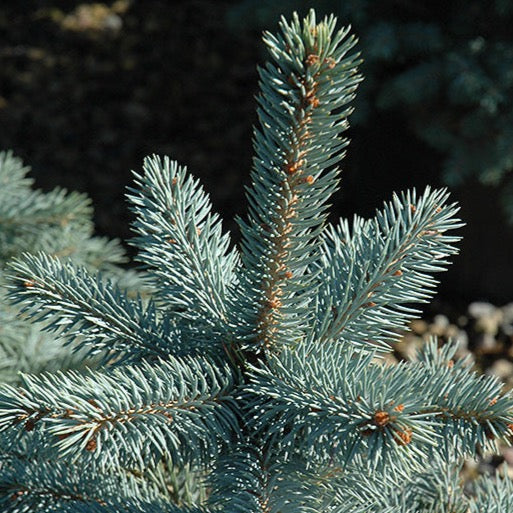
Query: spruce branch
436 488
133 506
56 214
55 208
44 485
248 480
24 348
13 176
130 417
471 410
367 274
289 419
25 213
492 495
183 485
333 403
302 109
56 222
90 310
181 242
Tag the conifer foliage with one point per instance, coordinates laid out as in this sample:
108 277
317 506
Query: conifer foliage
252 380
60 224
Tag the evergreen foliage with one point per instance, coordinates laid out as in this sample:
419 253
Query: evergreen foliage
447 75
59 224
251 379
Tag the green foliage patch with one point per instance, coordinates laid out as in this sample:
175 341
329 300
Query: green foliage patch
247 379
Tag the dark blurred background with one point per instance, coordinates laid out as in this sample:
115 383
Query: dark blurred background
88 89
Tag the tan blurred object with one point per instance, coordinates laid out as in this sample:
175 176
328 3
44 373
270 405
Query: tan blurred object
97 17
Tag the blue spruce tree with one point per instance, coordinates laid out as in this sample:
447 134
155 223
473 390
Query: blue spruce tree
58 223
253 379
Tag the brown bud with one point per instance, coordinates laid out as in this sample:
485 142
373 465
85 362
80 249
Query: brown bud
330 62
18 494
274 303
381 418
91 445
168 415
313 101
312 59
404 436
293 167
